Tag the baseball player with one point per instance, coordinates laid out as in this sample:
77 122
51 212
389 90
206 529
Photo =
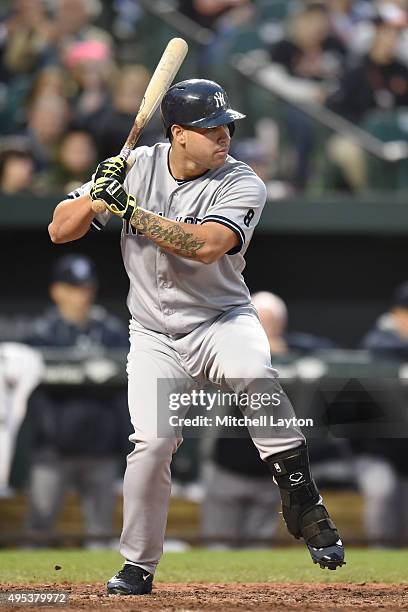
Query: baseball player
189 211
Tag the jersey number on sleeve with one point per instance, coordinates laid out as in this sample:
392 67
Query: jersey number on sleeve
248 217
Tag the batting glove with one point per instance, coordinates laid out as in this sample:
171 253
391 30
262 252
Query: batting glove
115 197
112 168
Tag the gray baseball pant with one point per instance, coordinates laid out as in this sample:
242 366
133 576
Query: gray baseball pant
231 351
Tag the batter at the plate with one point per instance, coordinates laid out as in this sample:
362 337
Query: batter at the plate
189 211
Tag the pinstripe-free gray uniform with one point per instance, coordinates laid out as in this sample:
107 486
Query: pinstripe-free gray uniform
189 321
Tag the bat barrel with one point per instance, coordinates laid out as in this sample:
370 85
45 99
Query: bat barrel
161 80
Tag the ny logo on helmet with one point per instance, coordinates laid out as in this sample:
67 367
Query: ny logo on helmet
219 98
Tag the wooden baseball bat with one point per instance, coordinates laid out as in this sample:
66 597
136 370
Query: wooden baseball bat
163 76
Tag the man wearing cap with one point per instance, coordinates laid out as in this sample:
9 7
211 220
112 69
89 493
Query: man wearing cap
381 463
389 336
77 433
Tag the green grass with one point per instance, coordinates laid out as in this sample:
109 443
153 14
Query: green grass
199 565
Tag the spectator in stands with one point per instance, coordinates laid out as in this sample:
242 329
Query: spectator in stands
382 464
47 122
379 82
389 336
50 81
78 433
394 11
76 161
26 47
25 40
311 50
16 171
73 22
348 17
125 19
221 20
36 32
91 67
305 66
207 13
115 122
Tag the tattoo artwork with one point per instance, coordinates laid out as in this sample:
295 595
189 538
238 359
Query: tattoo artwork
166 233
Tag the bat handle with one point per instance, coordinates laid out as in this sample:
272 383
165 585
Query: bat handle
125 152
99 206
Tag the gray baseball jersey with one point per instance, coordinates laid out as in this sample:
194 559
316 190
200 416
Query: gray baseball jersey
168 293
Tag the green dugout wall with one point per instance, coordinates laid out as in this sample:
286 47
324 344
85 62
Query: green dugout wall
335 261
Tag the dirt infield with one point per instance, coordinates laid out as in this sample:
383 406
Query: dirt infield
212 597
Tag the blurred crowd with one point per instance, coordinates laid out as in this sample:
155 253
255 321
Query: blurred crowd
68 92
348 57
65 101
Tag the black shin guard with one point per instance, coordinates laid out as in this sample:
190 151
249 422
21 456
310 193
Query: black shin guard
304 516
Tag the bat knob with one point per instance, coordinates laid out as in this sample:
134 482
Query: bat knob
98 206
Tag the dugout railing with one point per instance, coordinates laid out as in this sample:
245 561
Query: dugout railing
351 397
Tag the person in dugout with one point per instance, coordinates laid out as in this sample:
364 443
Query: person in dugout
77 433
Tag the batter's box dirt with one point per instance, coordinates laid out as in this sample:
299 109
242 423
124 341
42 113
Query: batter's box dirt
213 597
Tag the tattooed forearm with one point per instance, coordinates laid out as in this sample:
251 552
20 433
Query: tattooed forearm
168 234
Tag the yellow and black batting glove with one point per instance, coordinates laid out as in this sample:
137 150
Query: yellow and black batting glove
113 168
115 197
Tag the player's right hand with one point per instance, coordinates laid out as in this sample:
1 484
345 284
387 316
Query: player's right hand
115 197
112 168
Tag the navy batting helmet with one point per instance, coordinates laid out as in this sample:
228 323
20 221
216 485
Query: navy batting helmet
197 103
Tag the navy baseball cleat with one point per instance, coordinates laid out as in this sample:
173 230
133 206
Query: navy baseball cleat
131 580
322 538
304 514
331 557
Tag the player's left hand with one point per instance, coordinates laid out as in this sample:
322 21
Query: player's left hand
112 168
115 197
